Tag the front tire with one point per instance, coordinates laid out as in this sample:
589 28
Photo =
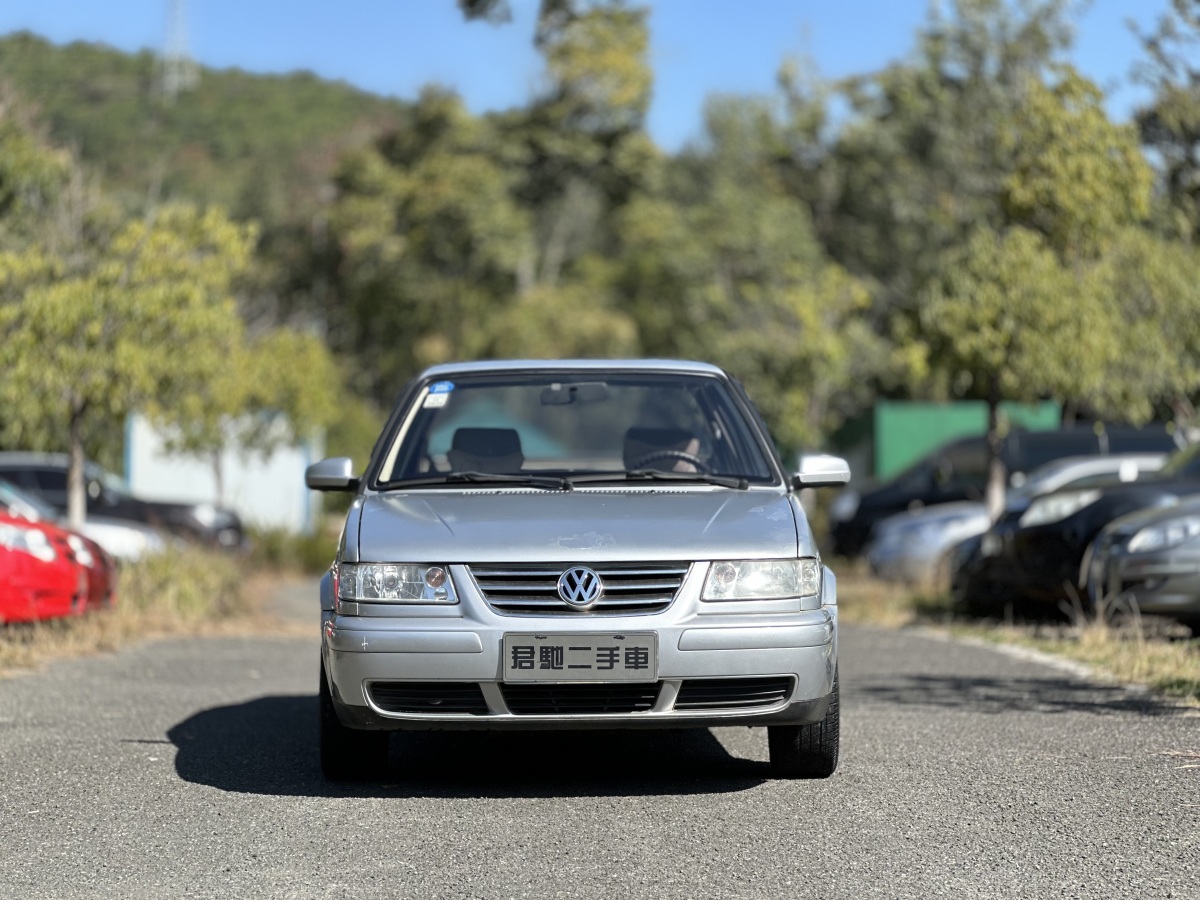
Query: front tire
807 751
347 754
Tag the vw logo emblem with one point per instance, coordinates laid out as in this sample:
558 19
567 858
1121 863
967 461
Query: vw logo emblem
580 587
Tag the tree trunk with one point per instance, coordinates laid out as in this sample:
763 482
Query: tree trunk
997 473
76 482
219 476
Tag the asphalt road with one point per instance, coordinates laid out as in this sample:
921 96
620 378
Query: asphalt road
189 769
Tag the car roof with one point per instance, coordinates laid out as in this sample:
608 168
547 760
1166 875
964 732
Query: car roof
31 458
1102 462
573 365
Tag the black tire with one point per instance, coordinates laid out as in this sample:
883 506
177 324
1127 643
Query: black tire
807 751
348 754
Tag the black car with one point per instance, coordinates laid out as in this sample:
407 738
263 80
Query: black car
45 474
1037 555
958 471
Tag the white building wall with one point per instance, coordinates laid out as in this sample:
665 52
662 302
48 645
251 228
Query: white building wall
266 491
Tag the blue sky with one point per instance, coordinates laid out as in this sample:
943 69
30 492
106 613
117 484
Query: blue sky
698 46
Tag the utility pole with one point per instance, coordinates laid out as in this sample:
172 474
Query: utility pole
179 70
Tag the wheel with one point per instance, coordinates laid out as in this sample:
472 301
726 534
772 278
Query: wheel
677 455
348 754
807 751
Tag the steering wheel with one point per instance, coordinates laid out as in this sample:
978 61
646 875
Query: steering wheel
679 455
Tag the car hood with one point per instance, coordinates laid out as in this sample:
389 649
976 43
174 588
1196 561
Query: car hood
1163 511
565 526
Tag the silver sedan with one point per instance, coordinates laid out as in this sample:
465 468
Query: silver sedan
577 545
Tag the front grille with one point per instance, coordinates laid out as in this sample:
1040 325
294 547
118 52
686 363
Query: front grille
578 699
533 589
732 693
444 698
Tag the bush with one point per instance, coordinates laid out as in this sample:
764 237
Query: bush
185 590
184 583
277 548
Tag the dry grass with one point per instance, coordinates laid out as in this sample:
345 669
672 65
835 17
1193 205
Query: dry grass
1169 665
1162 658
864 599
183 592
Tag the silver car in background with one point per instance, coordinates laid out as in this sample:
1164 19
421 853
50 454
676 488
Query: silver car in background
589 544
913 547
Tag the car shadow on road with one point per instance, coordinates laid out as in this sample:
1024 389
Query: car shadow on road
269 746
1003 695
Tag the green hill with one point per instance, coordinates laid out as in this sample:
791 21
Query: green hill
261 145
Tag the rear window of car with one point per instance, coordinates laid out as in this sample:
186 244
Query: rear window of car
1033 449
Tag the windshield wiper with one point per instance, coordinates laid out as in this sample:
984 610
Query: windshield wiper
538 481
729 481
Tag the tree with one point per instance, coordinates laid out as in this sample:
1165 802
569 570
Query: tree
924 156
31 171
429 237
1076 177
721 263
278 387
461 236
1170 123
138 321
1005 319
1152 287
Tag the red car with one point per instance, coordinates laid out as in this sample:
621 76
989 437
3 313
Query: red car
40 577
100 565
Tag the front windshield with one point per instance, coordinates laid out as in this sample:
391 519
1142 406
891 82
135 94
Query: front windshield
1184 464
25 504
571 424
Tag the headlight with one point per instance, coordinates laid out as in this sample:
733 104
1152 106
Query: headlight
82 554
1165 535
394 583
205 514
1056 507
28 540
844 506
770 579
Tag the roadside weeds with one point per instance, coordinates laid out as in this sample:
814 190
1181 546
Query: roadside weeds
1142 652
188 591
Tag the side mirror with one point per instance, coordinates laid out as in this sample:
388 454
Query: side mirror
334 474
820 470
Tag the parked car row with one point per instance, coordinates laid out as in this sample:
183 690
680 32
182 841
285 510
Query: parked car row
913 546
129 526
1137 540
48 570
1115 529
958 471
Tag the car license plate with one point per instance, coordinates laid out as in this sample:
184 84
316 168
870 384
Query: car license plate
580 657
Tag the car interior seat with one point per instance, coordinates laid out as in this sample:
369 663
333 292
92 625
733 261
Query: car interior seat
492 450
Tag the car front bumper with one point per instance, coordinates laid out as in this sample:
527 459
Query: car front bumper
457 647
1165 582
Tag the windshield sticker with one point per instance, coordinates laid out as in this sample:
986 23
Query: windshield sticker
441 387
435 401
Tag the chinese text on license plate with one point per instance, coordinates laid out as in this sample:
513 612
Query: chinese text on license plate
580 657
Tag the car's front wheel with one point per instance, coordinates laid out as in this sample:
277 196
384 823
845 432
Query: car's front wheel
807 751
348 754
